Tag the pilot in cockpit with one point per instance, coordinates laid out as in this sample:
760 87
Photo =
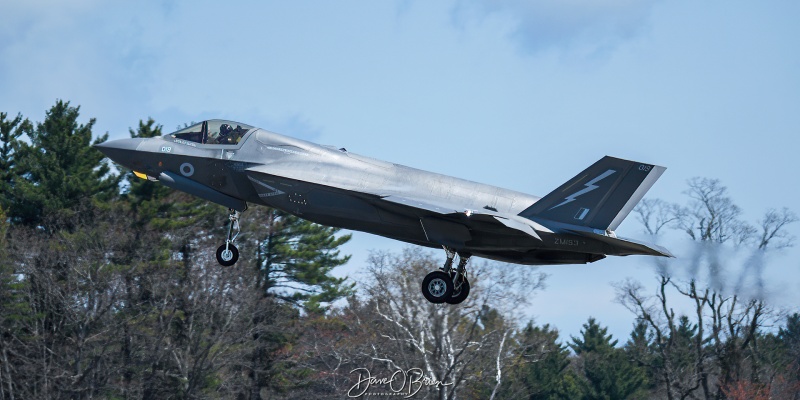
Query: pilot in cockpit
225 135
228 135
213 132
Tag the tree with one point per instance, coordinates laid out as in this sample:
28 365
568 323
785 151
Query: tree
657 214
789 337
719 347
289 267
15 316
10 132
59 169
295 258
639 345
711 215
121 298
608 371
639 350
594 338
463 351
540 368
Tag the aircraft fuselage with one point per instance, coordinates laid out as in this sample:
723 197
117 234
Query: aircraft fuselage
338 188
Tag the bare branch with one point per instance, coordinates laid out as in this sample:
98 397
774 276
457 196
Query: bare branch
656 214
772 229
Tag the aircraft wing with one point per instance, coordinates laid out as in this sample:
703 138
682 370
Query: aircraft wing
422 204
510 221
474 220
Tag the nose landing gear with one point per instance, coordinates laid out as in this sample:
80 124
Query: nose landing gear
448 285
228 254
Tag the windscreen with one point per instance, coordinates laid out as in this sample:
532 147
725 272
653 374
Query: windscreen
214 131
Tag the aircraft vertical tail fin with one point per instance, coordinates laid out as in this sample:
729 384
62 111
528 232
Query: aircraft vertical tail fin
600 197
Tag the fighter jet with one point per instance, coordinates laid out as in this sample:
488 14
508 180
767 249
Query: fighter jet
235 164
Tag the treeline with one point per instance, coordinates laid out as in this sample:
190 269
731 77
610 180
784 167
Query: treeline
109 289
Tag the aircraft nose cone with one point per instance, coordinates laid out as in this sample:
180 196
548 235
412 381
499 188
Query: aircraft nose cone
121 151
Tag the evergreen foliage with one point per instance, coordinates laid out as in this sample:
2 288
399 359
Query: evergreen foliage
10 132
789 339
58 169
541 368
608 370
294 258
790 334
640 351
594 338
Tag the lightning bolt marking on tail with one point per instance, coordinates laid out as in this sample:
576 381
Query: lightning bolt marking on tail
589 187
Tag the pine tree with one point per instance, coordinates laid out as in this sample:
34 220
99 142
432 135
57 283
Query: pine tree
540 371
790 334
594 339
683 355
59 169
640 341
608 371
639 350
10 131
295 258
789 338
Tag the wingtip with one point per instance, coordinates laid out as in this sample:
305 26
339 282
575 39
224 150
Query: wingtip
663 251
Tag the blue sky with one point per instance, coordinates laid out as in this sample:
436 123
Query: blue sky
519 94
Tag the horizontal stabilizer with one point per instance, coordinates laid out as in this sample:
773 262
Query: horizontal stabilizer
627 247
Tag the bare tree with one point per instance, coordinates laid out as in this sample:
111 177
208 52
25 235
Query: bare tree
711 215
725 340
773 232
452 345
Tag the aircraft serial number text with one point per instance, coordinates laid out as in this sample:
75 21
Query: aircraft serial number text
566 242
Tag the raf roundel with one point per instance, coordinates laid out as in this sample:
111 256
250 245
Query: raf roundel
187 169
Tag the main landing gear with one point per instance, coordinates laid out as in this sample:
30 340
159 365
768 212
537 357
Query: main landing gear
448 285
228 254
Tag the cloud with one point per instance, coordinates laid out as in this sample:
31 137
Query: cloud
586 28
88 52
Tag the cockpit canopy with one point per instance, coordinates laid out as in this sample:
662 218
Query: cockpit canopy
213 131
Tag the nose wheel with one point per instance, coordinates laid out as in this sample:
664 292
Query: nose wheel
448 285
228 254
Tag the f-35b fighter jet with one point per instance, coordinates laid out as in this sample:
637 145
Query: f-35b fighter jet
234 164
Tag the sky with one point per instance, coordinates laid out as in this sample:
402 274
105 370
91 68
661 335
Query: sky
517 94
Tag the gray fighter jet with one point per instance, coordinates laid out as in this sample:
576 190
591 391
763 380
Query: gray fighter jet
234 164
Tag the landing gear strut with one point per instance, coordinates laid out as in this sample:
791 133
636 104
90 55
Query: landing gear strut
448 285
460 282
228 254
